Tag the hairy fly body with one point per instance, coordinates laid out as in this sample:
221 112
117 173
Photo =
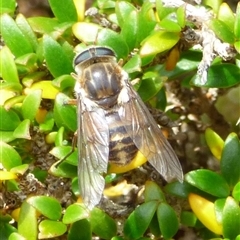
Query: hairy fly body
113 124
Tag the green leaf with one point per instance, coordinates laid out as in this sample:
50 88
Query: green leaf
31 104
236 192
180 189
16 236
21 169
23 130
188 219
231 219
214 142
27 222
33 77
146 22
65 115
9 120
64 170
47 206
26 63
7 230
220 76
153 192
158 42
209 182
57 61
218 207
117 238
181 16
222 30
167 219
86 32
49 228
26 29
139 220
226 15
170 25
13 37
64 11
74 213
8 69
7 6
129 29
9 156
153 86
163 11
61 152
214 4
123 10
102 225
80 230
63 82
133 65
47 125
59 140
237 22
43 25
6 136
237 46
230 164
154 226
107 37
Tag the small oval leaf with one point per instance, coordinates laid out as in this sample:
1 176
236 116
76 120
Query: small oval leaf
47 206
50 229
231 219
74 213
158 42
9 156
13 37
9 120
8 67
230 164
64 114
167 220
23 130
64 11
102 224
31 104
27 221
209 182
153 192
56 58
139 220
219 76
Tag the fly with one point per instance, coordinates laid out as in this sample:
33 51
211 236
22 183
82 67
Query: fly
113 124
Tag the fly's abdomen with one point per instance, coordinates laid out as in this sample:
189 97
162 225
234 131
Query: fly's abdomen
121 147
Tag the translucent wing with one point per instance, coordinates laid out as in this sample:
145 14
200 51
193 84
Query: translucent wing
93 145
147 136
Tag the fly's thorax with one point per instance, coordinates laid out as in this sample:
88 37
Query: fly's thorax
122 150
102 83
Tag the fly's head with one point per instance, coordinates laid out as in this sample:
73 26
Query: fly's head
99 77
91 56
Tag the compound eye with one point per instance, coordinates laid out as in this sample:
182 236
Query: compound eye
81 57
93 53
104 51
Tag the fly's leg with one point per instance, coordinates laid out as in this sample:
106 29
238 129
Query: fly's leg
74 143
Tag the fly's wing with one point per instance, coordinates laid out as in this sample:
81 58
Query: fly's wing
147 136
93 151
